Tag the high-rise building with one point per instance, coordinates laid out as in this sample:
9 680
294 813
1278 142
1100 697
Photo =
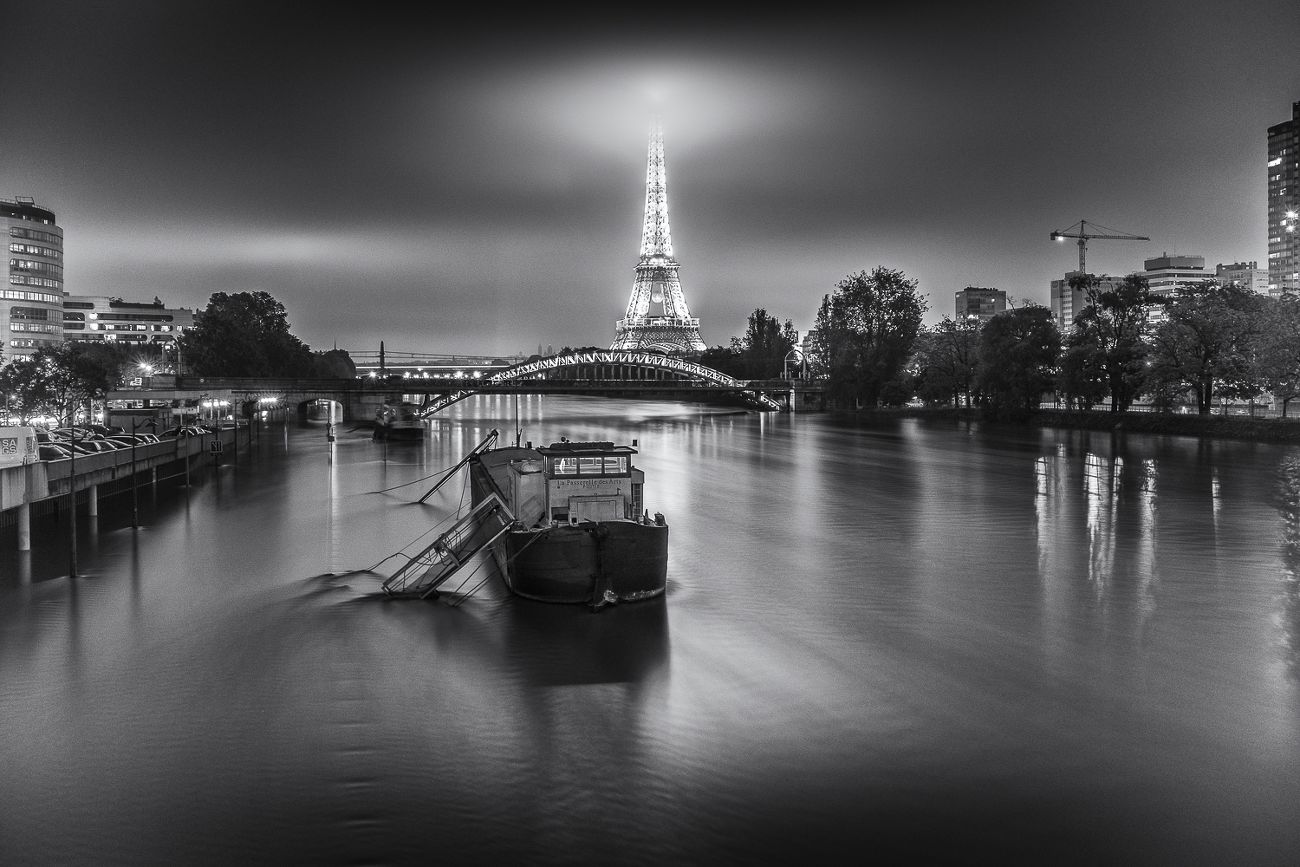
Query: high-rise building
32 314
657 316
1284 205
982 304
1247 275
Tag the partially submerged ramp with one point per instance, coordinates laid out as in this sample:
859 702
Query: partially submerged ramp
453 551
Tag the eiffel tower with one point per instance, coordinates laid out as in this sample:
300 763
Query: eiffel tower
657 316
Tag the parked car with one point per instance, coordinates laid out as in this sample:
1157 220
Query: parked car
53 451
102 430
185 430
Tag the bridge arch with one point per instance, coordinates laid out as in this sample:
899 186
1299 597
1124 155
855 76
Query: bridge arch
601 363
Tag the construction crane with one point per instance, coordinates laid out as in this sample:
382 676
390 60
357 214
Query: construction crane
1084 236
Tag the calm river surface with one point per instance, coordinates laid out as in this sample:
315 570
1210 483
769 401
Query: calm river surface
912 640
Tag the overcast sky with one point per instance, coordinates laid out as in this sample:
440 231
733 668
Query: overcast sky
478 186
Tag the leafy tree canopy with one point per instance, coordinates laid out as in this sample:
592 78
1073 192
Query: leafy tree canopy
865 333
57 380
1278 357
946 361
1204 345
1019 350
1106 349
245 334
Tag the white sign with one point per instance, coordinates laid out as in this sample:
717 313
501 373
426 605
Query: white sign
17 446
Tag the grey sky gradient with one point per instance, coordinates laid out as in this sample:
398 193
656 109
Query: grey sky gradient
478 186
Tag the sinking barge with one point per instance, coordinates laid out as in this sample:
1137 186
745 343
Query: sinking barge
563 523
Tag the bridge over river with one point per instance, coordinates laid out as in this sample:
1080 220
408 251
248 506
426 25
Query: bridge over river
610 373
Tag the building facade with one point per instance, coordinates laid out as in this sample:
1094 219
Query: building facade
32 313
1247 275
107 319
1165 274
1284 205
982 304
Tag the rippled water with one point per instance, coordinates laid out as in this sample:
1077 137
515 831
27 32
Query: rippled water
930 641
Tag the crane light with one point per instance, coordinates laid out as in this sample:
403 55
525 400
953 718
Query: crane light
1057 236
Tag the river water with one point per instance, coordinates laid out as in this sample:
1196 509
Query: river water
929 641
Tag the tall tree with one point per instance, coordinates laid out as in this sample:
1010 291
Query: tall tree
1019 352
25 383
765 345
245 334
866 330
947 360
1106 346
1277 357
58 380
1205 345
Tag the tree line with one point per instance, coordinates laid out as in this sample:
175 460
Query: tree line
1202 343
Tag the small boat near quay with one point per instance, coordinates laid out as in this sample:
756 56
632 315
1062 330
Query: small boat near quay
563 523
398 421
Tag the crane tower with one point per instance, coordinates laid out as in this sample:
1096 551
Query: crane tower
1084 235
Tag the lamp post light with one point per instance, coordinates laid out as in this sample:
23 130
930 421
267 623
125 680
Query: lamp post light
72 502
135 497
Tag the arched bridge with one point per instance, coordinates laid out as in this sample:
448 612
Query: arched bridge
615 373
600 370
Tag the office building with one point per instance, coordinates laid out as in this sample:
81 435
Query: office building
148 325
1165 274
1247 275
982 304
1284 205
32 314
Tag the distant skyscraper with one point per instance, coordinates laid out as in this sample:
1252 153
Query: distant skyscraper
982 304
32 315
1247 275
1284 205
667 325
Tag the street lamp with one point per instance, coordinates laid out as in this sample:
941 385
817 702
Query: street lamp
72 500
135 499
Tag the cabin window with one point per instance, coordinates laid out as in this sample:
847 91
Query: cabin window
566 466
589 466
615 466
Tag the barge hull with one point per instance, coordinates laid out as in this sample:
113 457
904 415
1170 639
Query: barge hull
590 562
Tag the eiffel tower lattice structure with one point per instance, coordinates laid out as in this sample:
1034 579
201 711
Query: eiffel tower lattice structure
657 317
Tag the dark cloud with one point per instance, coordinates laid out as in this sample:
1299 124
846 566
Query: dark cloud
476 184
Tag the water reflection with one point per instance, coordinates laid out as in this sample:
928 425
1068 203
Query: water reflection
1289 514
943 637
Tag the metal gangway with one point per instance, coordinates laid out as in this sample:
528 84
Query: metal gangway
453 551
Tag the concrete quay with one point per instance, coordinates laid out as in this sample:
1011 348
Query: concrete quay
29 485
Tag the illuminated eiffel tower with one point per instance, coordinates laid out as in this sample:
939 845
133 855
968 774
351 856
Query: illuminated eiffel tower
657 316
